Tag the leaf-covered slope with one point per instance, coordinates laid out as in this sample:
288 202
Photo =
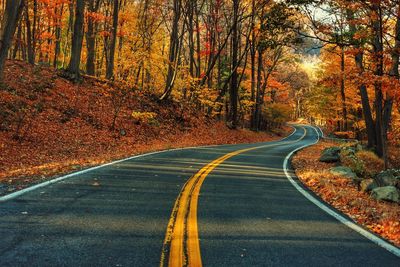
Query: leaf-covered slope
49 125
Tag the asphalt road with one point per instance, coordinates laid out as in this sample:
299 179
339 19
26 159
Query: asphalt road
248 214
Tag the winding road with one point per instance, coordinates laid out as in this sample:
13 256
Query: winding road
231 205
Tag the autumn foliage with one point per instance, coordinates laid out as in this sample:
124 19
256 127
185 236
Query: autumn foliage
51 126
382 218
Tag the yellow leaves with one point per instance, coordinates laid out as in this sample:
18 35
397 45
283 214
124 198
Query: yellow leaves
248 103
145 117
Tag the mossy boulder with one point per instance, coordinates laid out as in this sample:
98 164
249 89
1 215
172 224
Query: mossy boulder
388 178
386 193
330 155
344 172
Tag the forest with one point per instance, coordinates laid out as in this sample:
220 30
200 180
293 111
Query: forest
253 63
85 82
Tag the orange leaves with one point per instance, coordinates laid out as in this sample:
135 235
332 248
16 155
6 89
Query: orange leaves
325 29
96 17
382 218
73 132
361 34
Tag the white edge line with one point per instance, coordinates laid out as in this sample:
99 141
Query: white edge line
380 242
34 187
56 180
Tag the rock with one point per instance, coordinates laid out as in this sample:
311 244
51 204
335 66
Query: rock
367 185
345 172
387 193
330 155
388 178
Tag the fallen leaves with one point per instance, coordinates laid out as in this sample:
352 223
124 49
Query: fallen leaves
380 217
72 132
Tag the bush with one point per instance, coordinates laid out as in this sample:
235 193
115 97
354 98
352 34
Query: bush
146 117
364 163
373 164
349 159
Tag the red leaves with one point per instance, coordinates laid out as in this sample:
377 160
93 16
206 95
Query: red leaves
73 132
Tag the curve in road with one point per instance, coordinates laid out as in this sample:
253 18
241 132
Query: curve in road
248 214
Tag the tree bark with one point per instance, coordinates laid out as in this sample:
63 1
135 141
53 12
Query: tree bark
253 52
234 90
58 32
77 40
111 56
93 7
258 100
343 90
173 50
11 16
394 73
381 133
366 107
18 41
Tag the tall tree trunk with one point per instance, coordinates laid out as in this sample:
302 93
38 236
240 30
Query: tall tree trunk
18 41
343 89
111 56
257 107
190 17
198 42
173 50
234 86
29 35
394 73
381 133
11 16
93 6
253 51
58 32
77 40
359 60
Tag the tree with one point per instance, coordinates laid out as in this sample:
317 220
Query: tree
93 7
175 45
11 16
113 41
234 86
77 40
369 39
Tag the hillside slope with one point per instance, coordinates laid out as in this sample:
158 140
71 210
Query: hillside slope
50 126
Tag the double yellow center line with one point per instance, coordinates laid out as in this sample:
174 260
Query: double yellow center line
181 245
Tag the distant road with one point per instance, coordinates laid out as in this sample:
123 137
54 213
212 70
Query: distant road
229 205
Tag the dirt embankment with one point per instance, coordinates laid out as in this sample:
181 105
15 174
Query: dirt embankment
50 126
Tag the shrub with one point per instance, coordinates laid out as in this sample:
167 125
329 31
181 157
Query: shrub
373 164
349 159
146 117
364 163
